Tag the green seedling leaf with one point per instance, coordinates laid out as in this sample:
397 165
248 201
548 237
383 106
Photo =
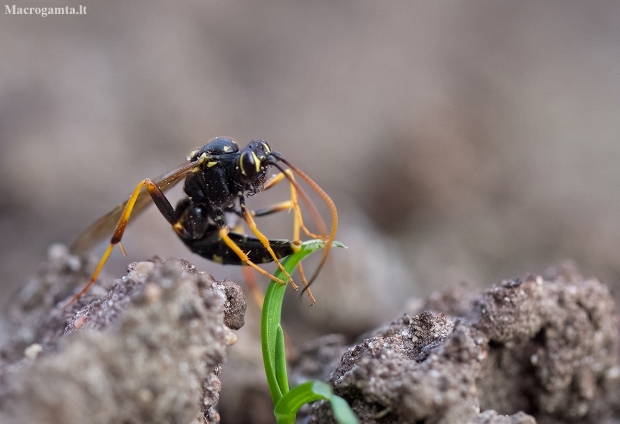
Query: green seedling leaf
286 402
311 391
342 411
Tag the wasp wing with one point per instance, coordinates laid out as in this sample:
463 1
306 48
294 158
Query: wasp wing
104 226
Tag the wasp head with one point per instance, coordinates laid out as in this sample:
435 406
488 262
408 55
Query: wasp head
253 163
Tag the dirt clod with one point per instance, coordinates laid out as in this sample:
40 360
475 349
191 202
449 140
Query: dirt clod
540 349
149 350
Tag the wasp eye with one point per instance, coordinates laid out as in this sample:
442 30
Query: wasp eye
249 163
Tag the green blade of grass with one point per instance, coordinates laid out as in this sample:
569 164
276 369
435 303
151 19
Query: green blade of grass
273 352
281 375
287 402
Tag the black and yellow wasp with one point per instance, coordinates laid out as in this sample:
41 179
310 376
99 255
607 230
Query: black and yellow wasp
218 179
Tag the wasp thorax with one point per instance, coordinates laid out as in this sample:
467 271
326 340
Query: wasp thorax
216 147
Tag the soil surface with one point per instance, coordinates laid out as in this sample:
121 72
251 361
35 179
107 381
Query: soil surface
148 348
542 349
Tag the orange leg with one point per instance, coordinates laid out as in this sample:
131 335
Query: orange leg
332 207
118 232
292 204
168 212
250 221
250 279
250 282
244 258
298 225
300 270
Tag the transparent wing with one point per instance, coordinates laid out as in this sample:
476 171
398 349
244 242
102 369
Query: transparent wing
104 226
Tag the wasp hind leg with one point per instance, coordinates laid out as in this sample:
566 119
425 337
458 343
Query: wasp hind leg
162 204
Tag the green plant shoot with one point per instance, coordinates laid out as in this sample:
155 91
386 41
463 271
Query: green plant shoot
287 402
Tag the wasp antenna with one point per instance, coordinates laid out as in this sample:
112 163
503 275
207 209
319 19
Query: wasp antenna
328 201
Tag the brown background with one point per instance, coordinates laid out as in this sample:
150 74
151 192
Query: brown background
461 140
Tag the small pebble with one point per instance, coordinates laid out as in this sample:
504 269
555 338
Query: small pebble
80 321
32 351
231 338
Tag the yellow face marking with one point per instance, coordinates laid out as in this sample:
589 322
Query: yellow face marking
256 162
217 258
241 165
210 164
267 149
177 227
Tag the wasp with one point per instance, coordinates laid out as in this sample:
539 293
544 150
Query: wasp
218 179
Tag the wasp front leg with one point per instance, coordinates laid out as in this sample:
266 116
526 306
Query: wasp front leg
293 204
279 207
298 223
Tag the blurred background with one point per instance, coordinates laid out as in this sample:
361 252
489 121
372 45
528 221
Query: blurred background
461 141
